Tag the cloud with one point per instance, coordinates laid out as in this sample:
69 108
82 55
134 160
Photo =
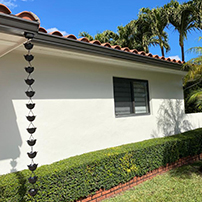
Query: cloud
9 3
27 0
55 29
175 57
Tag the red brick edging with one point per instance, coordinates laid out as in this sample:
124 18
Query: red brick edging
102 194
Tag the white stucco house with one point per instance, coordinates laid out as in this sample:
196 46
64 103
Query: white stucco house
89 96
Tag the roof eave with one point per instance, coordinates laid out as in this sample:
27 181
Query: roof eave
71 44
18 26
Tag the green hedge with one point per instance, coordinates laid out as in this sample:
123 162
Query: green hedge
79 176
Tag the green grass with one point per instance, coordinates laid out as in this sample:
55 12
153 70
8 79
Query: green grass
181 184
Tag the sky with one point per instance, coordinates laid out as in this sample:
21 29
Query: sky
93 16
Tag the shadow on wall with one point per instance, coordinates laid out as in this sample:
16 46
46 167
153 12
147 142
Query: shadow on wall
171 119
9 133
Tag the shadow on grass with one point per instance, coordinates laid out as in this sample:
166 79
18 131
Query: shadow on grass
187 171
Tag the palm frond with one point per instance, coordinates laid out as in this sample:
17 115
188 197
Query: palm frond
196 98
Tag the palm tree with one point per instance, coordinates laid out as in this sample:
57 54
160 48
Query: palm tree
157 20
193 82
107 36
197 4
126 36
87 35
195 65
142 34
185 18
136 35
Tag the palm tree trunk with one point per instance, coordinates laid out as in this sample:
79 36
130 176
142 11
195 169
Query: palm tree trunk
181 43
162 52
182 51
161 46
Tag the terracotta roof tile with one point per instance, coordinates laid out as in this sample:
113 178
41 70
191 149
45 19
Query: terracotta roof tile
134 51
27 15
31 16
106 45
155 56
70 36
95 42
149 55
41 29
141 53
4 9
56 33
126 49
84 39
116 47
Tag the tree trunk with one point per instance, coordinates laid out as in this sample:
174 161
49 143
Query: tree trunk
181 42
182 50
162 52
161 46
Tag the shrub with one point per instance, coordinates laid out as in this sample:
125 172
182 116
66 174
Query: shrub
80 176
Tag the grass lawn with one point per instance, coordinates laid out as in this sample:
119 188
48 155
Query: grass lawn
181 184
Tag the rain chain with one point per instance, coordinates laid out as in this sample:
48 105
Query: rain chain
31 117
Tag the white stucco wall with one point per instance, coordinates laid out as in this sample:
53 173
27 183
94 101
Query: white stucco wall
75 109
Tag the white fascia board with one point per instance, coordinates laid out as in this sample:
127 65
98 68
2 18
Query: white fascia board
104 60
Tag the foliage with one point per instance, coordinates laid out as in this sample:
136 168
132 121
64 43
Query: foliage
80 176
157 20
149 28
107 37
185 18
180 185
196 99
193 82
140 36
87 35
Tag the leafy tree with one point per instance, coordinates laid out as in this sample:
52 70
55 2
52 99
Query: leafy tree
134 36
87 35
126 36
148 29
185 18
157 20
140 36
107 36
193 82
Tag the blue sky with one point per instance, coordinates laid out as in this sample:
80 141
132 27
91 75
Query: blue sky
75 16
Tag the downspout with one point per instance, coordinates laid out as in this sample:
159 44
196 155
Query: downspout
31 117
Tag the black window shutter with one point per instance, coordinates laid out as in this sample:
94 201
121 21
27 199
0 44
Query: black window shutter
140 97
122 96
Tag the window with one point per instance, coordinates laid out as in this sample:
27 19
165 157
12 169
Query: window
130 96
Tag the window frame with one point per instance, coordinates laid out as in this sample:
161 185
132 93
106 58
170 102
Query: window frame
131 80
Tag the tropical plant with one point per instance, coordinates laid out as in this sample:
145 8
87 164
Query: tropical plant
193 82
87 35
157 20
185 18
134 35
107 36
140 35
126 36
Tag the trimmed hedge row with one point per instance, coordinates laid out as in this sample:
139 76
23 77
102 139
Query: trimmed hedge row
80 176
